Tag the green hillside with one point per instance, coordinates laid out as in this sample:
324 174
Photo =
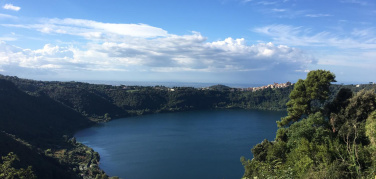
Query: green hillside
320 138
37 129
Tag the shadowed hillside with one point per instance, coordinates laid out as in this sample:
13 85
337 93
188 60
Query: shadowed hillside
37 129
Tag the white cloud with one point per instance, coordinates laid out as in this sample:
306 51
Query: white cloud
369 32
143 48
299 36
47 57
353 59
279 10
266 3
7 16
354 50
283 12
168 54
8 38
245 1
11 7
318 15
92 29
360 2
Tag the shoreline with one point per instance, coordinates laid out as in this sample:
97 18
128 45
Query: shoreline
85 135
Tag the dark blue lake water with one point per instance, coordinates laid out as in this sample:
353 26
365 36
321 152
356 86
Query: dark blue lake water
185 145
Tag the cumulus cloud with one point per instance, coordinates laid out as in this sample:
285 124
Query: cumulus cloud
353 50
47 57
144 48
11 7
168 54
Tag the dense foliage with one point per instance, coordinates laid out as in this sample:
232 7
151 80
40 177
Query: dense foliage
320 139
102 102
34 138
8 171
314 88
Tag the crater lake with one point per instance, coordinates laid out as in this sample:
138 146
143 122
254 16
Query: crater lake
185 145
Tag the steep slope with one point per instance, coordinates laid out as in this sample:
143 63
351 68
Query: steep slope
36 119
42 166
32 125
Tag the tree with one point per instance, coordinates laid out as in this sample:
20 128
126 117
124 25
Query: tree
371 128
260 151
9 172
337 140
317 84
357 109
353 125
314 88
107 117
371 134
340 101
298 104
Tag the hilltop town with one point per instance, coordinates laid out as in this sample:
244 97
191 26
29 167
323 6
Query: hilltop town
274 85
223 87
252 89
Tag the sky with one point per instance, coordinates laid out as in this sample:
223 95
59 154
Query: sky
207 41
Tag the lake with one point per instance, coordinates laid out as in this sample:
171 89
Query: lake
184 145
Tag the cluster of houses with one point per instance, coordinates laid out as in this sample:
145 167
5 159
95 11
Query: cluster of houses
218 87
274 85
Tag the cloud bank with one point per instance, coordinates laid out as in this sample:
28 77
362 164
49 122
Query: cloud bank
144 48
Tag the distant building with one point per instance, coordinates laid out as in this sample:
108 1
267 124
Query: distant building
274 85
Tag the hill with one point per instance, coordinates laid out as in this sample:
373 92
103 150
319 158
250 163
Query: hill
95 100
36 130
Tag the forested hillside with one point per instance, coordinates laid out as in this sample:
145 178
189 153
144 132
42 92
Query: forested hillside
39 118
320 138
105 101
34 131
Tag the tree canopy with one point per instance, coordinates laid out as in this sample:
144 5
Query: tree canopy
9 172
335 140
314 88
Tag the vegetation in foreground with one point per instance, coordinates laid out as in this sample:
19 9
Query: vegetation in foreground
320 139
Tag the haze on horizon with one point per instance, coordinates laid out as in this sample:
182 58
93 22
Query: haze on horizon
214 41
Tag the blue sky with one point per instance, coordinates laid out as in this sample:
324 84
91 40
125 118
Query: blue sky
212 41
